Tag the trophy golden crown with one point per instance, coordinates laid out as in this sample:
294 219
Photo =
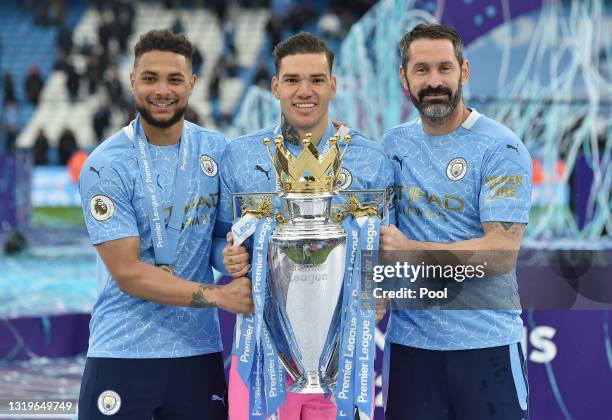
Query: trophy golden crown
309 171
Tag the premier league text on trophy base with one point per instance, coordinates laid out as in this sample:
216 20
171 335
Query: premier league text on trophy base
477 280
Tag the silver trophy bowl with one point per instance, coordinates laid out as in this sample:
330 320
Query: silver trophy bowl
306 261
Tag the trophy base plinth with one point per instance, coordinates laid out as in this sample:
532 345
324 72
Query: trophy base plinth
310 389
312 385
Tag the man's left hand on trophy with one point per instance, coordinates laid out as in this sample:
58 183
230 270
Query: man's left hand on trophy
236 258
392 239
381 309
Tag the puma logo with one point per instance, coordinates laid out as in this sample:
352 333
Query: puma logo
399 160
509 146
96 171
215 397
261 169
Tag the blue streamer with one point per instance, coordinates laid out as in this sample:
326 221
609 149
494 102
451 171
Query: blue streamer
274 375
245 346
348 326
365 351
355 387
256 356
257 403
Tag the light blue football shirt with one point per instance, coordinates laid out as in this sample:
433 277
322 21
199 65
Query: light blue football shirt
114 207
446 187
247 168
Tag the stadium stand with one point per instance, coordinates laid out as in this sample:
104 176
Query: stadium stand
28 38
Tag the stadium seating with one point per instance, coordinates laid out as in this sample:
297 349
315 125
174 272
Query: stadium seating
57 112
24 44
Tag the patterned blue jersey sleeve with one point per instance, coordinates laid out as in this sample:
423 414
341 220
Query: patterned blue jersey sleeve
388 146
222 226
383 180
106 201
225 214
370 169
505 189
386 174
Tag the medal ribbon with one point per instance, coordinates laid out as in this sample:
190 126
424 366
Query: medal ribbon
165 238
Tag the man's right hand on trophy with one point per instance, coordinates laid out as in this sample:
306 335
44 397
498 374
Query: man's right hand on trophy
236 258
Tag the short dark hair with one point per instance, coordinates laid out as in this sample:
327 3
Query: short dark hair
163 40
431 31
302 43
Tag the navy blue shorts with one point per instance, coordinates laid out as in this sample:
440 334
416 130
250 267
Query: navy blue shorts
188 388
478 384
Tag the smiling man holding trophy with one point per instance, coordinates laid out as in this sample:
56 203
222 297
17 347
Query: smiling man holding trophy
312 195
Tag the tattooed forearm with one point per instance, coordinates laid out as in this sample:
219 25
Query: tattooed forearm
502 246
514 230
198 300
289 132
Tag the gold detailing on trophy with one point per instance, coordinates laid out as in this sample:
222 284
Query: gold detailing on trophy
309 172
355 208
261 209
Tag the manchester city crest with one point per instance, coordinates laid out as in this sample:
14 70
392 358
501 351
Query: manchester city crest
208 165
101 207
344 179
109 403
456 169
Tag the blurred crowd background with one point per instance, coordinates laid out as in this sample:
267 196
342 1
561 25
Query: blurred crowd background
65 63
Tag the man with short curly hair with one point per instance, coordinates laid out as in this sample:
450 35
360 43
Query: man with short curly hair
149 196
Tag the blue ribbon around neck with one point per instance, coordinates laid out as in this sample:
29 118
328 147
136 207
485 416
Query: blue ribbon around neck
165 238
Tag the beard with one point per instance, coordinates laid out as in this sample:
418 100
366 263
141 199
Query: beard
146 115
439 110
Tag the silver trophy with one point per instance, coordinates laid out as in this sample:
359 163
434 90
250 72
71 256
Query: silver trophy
306 267
306 261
